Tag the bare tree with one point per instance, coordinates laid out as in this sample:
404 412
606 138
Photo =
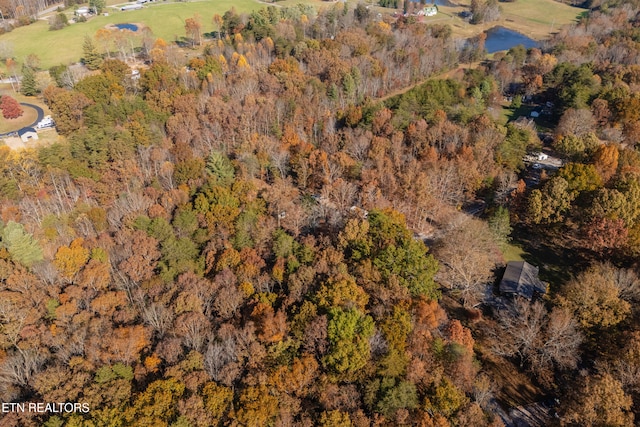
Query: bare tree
219 355
468 256
536 338
158 316
18 368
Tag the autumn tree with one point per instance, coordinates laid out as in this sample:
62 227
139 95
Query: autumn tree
69 260
605 160
594 299
217 22
67 108
11 109
193 28
157 404
257 407
580 177
605 235
597 401
550 204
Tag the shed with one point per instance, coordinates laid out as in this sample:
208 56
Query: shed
521 278
27 134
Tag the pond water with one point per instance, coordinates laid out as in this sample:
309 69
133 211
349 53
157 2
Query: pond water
436 2
130 27
500 38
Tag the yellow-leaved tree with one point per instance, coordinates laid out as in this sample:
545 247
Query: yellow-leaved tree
70 259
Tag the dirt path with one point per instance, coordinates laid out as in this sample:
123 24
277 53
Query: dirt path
453 73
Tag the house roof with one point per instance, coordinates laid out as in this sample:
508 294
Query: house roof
26 130
521 278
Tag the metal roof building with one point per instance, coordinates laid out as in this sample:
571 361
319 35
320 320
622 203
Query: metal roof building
521 278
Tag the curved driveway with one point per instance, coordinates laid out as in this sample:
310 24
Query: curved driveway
40 113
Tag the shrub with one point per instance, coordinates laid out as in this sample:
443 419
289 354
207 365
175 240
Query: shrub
58 21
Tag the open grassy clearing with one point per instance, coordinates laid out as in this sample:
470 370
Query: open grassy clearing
512 252
6 89
318 4
29 116
166 20
533 18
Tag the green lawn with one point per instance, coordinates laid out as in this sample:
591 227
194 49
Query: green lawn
533 18
545 12
10 125
513 252
166 20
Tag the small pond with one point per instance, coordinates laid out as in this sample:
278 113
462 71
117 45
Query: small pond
130 27
442 3
500 38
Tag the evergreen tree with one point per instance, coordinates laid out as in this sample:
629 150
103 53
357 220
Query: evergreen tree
219 165
91 58
28 86
20 244
97 5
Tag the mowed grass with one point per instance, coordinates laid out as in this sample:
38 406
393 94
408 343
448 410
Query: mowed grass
533 18
166 20
29 116
512 252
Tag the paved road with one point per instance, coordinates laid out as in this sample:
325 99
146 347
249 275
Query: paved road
38 119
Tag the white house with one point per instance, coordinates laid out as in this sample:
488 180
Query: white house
428 11
131 7
27 134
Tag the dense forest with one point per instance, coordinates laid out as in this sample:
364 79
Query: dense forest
266 234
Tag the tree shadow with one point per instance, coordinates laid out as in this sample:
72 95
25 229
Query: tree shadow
552 252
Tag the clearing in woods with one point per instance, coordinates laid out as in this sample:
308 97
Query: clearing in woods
534 18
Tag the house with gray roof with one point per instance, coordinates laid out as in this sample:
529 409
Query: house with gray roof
521 279
27 134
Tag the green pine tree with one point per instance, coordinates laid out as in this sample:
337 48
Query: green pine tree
219 165
28 86
91 58
97 5
20 244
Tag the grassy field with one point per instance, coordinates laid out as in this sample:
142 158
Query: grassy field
533 18
166 20
9 125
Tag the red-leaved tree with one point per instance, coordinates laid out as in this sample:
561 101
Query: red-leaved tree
11 109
